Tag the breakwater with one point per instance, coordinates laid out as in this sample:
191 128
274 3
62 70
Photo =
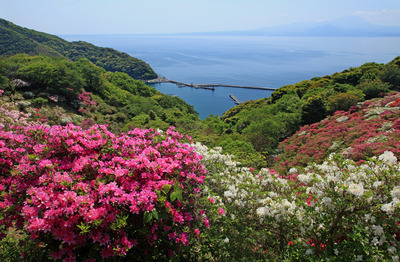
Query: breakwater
237 101
203 86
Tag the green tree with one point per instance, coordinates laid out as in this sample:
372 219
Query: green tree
243 151
373 89
152 115
313 110
55 76
91 75
351 76
341 101
391 75
216 124
264 135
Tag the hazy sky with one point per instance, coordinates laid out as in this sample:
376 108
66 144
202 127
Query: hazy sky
178 16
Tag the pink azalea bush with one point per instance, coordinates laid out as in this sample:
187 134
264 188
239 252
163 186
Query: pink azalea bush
92 194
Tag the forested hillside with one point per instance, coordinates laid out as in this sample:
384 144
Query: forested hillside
15 40
59 91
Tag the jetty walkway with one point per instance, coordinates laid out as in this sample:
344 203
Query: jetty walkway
203 86
237 101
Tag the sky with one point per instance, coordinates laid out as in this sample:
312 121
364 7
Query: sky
181 16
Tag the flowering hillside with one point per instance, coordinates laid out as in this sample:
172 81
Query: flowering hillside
84 193
366 130
90 195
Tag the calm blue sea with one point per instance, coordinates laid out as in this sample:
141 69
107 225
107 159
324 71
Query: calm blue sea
249 61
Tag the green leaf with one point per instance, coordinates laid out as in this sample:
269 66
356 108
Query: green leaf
155 214
166 188
177 187
180 196
147 217
177 192
173 196
158 194
84 228
32 157
120 222
164 215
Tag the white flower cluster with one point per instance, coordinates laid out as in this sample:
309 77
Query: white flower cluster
395 192
388 158
390 207
214 156
379 235
321 197
356 189
238 186
280 210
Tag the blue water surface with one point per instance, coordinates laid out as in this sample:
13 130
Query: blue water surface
249 61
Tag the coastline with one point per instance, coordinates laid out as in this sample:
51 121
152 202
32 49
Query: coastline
162 79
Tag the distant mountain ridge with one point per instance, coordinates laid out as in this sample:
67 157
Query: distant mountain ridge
351 26
15 39
346 26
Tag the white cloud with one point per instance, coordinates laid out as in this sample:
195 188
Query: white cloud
384 16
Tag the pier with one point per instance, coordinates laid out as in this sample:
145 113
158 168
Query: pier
180 84
237 101
203 86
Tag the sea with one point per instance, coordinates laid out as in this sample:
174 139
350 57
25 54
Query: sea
258 61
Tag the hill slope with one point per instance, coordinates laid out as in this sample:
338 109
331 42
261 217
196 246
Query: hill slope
15 39
366 130
58 91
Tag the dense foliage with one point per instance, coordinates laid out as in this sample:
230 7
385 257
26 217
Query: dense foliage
15 40
87 94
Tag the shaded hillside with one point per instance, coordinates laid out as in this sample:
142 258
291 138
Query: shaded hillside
15 39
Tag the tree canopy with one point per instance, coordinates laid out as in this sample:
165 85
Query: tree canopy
15 40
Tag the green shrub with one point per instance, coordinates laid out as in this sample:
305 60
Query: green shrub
341 101
40 101
313 110
373 89
391 75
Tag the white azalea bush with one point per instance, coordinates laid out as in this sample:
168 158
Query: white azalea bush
351 211
237 234
241 192
337 211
